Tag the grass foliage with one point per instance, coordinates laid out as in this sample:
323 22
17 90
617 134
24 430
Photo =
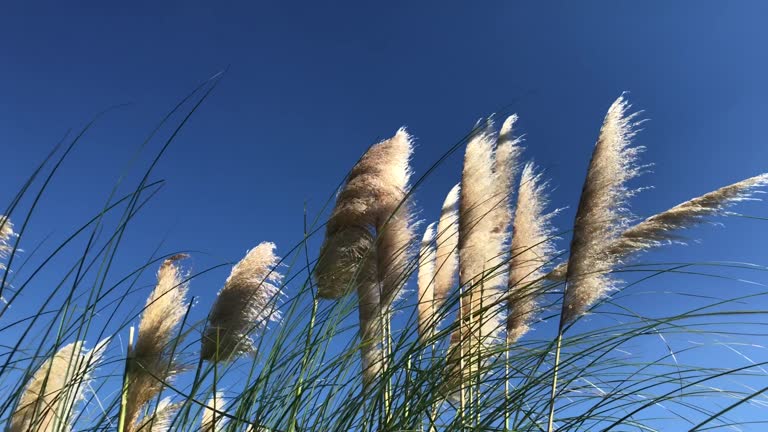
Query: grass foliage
619 370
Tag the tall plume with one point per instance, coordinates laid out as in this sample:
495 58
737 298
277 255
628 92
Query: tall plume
6 233
508 151
247 303
532 248
426 284
447 248
151 362
368 241
212 421
161 417
48 401
659 229
481 241
602 213
375 187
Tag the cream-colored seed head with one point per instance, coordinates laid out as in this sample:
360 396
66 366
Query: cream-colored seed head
426 285
375 188
48 401
246 303
6 234
481 244
602 213
532 248
447 247
159 420
212 421
508 151
151 363
659 229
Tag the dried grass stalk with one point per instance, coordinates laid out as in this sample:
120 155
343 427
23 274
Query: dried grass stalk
532 248
48 401
151 363
426 285
212 422
602 213
247 303
659 229
447 247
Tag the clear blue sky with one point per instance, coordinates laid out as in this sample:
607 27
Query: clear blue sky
311 85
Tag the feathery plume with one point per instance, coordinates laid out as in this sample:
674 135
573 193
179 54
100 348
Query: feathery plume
6 233
376 186
602 213
659 229
531 249
216 403
426 285
160 419
48 401
447 248
372 220
151 363
481 243
247 302
508 151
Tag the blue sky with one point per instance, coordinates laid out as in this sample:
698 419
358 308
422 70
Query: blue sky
311 85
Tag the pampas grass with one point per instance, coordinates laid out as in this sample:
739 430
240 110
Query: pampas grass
307 357
447 247
371 219
160 419
531 250
150 363
659 229
48 401
6 233
247 302
426 284
375 187
602 212
212 422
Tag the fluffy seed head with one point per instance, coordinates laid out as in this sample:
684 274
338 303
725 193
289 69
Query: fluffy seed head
247 303
508 151
213 422
480 241
48 401
447 247
602 213
160 419
6 233
659 229
426 284
150 361
375 188
532 248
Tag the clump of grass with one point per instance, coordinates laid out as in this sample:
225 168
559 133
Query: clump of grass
315 370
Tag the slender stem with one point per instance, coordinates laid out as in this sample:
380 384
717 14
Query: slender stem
506 386
124 391
550 427
304 362
462 401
